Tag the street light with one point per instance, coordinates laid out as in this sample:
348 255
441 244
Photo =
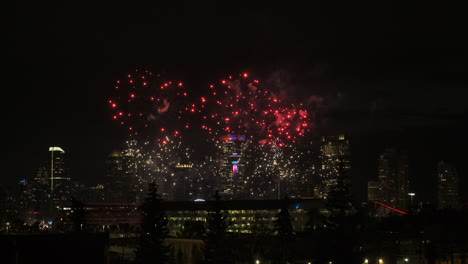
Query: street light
406 260
380 261
257 261
366 261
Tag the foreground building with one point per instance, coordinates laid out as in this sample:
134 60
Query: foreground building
244 215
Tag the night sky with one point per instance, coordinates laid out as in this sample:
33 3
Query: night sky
389 76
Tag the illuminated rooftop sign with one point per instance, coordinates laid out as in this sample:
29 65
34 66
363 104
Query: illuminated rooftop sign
56 149
233 138
184 165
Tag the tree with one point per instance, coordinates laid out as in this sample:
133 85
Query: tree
192 229
284 232
78 215
151 247
216 224
315 220
261 240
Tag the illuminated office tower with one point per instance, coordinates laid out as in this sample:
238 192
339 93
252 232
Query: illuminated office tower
448 193
393 181
373 191
42 176
207 178
231 165
302 167
138 171
60 181
90 194
260 173
39 188
335 170
119 179
35 193
187 184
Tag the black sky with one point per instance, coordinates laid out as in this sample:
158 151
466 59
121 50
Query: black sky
389 75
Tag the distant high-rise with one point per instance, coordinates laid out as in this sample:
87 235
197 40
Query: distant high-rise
42 176
50 187
119 179
90 194
60 181
58 171
335 170
186 184
260 174
230 163
392 185
205 182
137 167
297 168
35 192
373 191
448 194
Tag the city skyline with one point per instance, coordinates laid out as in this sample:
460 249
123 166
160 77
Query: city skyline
379 88
202 132
390 184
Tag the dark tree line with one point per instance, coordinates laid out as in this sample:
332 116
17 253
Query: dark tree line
216 225
151 247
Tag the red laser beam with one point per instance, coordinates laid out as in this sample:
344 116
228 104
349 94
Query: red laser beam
396 210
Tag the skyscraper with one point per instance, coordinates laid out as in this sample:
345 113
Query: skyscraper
58 171
297 167
118 179
448 193
138 168
259 178
335 170
230 163
60 181
373 191
392 184
186 185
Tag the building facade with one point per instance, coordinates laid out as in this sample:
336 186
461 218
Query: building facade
60 180
243 215
448 192
392 185
335 170
119 178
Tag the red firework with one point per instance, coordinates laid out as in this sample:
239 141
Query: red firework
147 105
243 106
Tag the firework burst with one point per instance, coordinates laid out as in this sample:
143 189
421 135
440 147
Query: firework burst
147 105
241 105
